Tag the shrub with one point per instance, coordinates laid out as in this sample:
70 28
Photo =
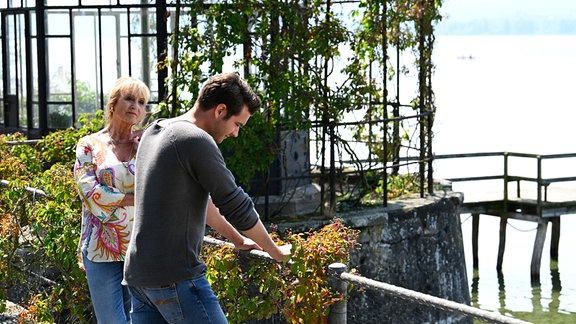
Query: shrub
298 290
39 237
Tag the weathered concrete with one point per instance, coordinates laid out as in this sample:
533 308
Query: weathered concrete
413 243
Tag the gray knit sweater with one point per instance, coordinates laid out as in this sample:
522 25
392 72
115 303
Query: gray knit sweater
178 167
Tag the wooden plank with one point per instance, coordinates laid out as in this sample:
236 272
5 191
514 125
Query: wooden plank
524 217
483 207
515 208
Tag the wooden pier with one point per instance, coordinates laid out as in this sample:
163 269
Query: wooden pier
541 204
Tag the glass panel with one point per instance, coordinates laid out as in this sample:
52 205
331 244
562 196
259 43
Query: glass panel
143 62
59 116
99 2
9 98
2 110
1 89
114 2
124 2
153 85
114 48
22 112
11 4
21 67
29 3
143 21
63 2
124 66
34 67
57 23
59 71
35 113
60 88
170 21
87 60
32 21
11 59
87 100
35 116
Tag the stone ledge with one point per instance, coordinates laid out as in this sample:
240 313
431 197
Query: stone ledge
371 215
12 313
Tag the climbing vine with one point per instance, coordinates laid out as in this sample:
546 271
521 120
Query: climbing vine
311 63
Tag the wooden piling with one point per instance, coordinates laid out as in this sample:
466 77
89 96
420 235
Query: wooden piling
537 253
555 239
502 243
475 226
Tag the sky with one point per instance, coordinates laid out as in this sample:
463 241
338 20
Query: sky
470 9
508 17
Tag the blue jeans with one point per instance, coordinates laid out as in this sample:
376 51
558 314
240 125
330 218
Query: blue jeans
111 300
190 301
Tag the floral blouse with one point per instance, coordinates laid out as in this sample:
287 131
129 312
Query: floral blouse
102 181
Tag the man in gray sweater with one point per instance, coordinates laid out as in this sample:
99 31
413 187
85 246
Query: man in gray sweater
180 172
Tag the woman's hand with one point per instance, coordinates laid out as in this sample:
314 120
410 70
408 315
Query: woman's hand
128 200
135 143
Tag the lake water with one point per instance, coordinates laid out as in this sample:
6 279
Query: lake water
515 94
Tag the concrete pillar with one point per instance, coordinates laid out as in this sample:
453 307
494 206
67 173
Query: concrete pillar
339 309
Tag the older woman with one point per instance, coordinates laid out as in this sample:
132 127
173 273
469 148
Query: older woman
104 172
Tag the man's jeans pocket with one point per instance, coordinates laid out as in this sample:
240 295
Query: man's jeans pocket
164 299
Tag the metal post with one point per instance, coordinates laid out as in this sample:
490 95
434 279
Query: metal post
539 187
339 309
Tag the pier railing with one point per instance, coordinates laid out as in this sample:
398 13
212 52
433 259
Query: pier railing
528 205
538 199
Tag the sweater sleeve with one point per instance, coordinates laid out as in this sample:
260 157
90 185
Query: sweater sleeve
206 164
96 191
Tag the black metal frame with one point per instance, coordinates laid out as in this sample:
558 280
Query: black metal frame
36 16
330 174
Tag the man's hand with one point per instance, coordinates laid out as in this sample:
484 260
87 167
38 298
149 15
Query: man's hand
282 253
246 244
257 237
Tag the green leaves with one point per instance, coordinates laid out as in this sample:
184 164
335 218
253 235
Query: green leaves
293 54
299 291
38 233
60 146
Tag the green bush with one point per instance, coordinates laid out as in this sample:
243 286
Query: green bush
40 229
298 290
39 234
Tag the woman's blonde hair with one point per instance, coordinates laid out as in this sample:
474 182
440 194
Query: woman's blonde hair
121 86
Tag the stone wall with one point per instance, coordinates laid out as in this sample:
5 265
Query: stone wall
415 244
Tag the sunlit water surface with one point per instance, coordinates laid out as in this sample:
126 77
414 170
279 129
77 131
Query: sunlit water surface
515 94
